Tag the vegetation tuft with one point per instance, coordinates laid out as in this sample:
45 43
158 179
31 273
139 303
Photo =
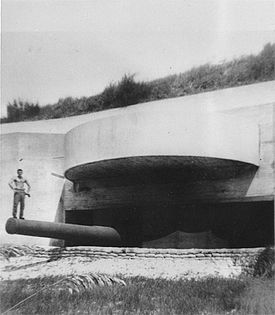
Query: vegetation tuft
124 93
87 282
240 71
264 266
20 110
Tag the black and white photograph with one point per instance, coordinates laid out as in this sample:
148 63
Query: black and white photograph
137 150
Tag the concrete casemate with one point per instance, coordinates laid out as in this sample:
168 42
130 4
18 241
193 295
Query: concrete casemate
199 166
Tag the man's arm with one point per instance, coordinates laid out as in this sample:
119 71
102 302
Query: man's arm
11 183
29 186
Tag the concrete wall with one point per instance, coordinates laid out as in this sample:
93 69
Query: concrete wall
41 156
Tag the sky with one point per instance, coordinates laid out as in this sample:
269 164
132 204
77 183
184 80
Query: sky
52 49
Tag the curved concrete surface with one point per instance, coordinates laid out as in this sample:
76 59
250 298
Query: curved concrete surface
166 130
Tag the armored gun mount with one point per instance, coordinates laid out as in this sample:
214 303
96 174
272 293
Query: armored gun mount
82 234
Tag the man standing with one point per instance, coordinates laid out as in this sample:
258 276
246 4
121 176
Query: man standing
17 184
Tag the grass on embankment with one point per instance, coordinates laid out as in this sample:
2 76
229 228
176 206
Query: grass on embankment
209 77
143 296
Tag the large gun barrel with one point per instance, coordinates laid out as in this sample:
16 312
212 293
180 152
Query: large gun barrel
80 234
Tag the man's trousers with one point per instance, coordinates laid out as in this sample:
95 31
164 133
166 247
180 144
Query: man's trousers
19 197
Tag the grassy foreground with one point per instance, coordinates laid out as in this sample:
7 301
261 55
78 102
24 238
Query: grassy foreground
142 296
